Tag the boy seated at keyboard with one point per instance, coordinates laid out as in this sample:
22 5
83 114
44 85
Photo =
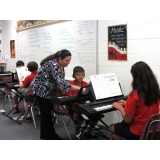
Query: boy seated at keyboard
17 93
32 67
79 74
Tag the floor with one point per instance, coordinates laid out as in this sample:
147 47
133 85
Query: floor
10 130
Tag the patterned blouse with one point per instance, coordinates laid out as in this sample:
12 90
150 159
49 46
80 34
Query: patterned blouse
48 79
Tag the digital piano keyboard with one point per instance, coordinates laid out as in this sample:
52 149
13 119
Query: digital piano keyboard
102 106
71 99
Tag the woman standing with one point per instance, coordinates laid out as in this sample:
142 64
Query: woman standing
49 79
143 101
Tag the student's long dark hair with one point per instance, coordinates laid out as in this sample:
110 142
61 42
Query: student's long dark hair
145 83
62 53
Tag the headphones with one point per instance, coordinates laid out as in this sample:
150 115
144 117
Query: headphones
77 69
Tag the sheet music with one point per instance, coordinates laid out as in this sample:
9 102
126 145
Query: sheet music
22 71
105 85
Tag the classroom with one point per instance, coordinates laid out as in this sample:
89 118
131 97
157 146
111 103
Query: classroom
88 41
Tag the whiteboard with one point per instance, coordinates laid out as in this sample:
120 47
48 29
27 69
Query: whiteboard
79 37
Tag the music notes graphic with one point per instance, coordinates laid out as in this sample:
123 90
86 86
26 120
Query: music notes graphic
85 27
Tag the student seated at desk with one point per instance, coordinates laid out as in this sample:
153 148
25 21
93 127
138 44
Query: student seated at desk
32 67
79 74
143 101
16 93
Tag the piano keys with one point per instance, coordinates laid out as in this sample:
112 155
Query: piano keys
93 108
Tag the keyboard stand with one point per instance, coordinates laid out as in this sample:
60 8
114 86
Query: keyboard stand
20 99
88 122
105 125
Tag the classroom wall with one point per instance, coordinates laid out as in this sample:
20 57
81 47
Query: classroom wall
8 33
143 45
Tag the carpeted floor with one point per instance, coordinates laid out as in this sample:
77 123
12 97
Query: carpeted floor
10 130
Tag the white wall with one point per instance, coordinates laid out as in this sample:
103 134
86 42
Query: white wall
8 33
143 45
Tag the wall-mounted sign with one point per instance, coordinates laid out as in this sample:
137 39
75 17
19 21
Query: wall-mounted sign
12 49
117 42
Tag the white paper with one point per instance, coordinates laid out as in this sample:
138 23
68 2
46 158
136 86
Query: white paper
22 71
105 86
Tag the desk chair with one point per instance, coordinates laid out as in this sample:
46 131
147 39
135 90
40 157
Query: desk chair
61 110
151 130
33 106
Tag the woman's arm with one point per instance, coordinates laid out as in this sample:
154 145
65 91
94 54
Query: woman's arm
73 87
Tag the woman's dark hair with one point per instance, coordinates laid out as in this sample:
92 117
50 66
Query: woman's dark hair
145 83
19 63
62 53
32 66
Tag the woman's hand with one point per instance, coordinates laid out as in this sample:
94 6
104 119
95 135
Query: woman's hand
60 90
84 89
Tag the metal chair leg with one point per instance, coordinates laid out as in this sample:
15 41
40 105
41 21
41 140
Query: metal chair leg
10 101
65 126
33 117
6 96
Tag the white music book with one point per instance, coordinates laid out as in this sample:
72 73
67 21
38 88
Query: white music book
22 71
105 86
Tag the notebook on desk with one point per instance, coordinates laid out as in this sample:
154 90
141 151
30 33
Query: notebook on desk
22 71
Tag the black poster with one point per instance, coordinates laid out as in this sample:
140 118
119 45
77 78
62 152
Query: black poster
117 42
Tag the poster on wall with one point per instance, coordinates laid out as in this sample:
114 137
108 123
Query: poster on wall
117 42
12 49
